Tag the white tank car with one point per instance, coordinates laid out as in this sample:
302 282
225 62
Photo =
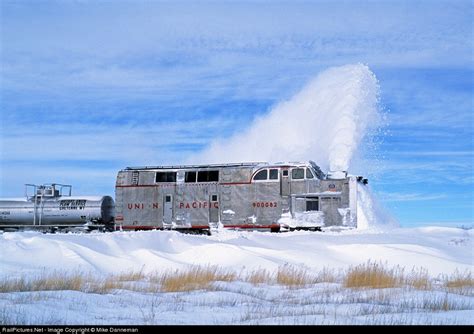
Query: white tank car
259 196
51 206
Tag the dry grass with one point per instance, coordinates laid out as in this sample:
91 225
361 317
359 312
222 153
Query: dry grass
419 279
131 276
369 275
46 282
373 275
293 277
195 278
459 280
326 275
398 304
259 276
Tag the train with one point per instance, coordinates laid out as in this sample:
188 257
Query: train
263 196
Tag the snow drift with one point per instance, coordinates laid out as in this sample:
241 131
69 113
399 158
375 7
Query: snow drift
438 249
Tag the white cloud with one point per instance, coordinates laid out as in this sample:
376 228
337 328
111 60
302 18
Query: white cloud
409 197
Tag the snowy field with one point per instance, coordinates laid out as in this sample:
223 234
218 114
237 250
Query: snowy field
377 274
118 277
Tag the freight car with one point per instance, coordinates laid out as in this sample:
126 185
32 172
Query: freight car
51 207
257 196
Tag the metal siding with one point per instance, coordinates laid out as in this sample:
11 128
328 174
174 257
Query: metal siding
235 193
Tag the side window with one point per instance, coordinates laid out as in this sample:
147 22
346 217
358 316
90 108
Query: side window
213 176
312 204
165 177
262 175
190 177
208 176
297 174
273 174
309 175
285 172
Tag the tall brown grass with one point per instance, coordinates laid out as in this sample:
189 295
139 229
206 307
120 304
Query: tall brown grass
292 276
45 282
373 275
259 276
195 278
419 279
459 280
368 275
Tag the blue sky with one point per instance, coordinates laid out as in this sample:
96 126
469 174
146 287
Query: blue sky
89 87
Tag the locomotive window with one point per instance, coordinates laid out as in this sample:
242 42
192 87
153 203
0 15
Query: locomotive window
273 174
165 177
214 198
208 176
309 175
297 174
312 205
213 176
168 199
262 175
190 177
285 172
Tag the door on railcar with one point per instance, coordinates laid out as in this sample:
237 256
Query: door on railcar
213 208
298 184
285 182
167 208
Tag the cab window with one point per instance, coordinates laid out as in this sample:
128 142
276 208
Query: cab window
274 174
262 175
297 174
309 174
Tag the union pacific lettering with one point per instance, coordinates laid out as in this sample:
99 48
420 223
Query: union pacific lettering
141 206
198 205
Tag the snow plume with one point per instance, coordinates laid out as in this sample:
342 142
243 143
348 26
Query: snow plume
370 214
324 122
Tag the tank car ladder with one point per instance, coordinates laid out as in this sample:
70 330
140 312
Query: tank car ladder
36 205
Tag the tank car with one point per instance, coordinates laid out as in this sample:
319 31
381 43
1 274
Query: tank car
51 206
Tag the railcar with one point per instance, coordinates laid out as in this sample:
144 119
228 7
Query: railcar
257 196
52 207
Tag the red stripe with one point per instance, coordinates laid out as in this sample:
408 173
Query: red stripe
148 227
136 186
234 183
252 226
174 185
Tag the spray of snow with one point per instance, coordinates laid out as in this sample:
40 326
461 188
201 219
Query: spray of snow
325 122
370 214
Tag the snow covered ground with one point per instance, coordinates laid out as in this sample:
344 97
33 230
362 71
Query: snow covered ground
440 250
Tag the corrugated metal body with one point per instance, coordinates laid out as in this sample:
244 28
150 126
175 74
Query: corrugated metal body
236 195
